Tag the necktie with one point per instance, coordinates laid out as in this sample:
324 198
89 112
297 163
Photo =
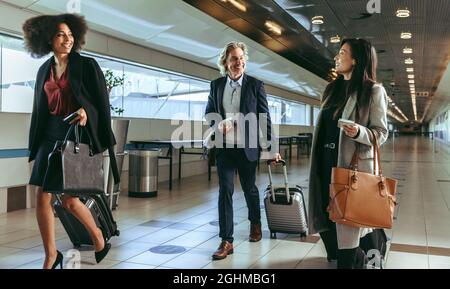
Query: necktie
234 85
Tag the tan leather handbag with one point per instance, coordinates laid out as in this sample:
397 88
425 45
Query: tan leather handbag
362 199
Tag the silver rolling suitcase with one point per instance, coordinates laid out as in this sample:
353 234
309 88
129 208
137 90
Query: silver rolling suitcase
285 207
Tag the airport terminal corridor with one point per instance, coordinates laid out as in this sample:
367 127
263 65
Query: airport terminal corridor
179 228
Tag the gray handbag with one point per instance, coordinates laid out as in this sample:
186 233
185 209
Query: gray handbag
73 168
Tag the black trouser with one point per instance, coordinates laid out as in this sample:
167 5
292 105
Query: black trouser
329 239
351 258
228 161
327 161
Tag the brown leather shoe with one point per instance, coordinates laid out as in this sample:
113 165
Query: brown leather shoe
225 249
255 233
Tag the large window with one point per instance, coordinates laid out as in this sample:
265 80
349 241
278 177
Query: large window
17 76
146 92
288 112
316 110
150 93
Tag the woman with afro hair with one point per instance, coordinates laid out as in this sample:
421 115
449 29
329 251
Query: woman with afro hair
65 83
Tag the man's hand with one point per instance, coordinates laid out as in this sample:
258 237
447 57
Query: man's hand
225 126
278 157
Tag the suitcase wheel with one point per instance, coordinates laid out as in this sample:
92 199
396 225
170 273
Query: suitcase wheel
117 233
273 235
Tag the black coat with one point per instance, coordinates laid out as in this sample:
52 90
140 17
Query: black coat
89 89
253 100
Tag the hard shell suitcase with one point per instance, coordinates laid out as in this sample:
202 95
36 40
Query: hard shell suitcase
102 216
285 207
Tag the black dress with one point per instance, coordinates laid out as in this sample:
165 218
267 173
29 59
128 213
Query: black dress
55 130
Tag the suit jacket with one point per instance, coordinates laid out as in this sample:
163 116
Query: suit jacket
371 117
253 100
89 89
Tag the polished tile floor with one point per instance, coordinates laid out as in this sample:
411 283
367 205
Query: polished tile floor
178 228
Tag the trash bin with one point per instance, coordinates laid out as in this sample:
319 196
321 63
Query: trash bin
143 173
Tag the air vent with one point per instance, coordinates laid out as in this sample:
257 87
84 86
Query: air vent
422 94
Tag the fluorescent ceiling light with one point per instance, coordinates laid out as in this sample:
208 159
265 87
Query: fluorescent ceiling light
403 13
409 69
335 39
410 75
238 5
406 35
411 81
274 27
407 50
409 61
317 20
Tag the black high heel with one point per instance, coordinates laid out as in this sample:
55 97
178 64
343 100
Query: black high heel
101 254
59 260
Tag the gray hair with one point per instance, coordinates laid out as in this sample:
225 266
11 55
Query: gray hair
221 62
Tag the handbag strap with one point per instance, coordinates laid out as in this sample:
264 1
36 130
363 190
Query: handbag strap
78 136
114 168
376 157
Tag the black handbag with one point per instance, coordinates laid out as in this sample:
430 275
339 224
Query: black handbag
73 168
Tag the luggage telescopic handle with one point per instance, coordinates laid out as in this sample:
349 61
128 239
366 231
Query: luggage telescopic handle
269 162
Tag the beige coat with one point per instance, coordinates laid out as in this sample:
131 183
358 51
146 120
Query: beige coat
373 117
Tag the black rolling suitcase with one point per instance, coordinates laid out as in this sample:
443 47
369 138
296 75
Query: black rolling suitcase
374 246
103 217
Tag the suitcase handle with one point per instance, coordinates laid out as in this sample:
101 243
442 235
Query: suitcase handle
269 162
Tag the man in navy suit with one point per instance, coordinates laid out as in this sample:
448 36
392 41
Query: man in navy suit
240 101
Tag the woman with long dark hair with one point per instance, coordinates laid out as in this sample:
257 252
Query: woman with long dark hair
65 83
355 96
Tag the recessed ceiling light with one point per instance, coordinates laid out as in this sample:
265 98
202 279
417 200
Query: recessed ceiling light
409 61
274 27
410 75
403 13
411 81
407 50
409 69
238 5
317 20
335 39
406 35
